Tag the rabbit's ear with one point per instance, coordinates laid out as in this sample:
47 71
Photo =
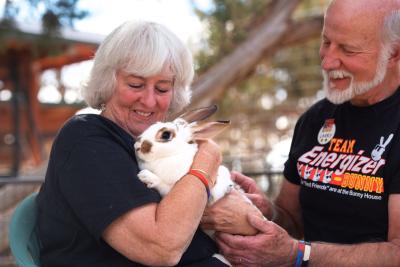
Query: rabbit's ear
199 114
208 129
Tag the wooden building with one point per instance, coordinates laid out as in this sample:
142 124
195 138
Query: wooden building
26 125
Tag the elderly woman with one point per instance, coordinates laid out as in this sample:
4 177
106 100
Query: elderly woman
93 210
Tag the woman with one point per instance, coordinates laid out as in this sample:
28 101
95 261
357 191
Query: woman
93 210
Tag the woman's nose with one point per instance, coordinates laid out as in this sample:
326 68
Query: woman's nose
148 97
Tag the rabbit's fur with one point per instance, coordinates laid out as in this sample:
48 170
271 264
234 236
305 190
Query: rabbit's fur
165 152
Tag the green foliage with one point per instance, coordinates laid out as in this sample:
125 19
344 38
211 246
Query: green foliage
56 14
53 14
295 69
284 84
228 23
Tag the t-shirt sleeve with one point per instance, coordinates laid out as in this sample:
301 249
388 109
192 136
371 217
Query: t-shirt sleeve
99 181
394 171
395 185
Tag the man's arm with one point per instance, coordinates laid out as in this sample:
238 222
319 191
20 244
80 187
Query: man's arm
273 247
365 254
287 210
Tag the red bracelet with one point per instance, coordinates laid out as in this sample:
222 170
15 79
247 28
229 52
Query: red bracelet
199 174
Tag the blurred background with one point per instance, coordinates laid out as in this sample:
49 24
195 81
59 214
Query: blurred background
256 59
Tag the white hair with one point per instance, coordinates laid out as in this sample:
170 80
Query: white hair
391 29
143 49
390 37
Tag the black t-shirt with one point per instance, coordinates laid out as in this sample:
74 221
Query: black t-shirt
346 160
91 180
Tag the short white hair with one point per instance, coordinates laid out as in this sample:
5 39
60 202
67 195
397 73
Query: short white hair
143 49
391 30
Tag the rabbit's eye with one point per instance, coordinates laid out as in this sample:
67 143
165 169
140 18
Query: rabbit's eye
165 135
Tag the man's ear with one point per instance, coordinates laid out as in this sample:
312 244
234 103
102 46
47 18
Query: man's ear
394 59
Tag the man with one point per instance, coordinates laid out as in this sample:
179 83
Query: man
342 186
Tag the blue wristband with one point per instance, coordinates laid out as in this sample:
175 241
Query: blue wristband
303 254
300 253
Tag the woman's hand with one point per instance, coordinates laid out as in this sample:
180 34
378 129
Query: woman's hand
208 158
229 215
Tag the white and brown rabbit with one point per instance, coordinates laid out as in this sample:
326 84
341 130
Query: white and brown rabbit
165 152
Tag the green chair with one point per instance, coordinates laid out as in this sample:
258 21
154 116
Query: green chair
22 235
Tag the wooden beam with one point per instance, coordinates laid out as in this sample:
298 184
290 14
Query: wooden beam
75 53
50 118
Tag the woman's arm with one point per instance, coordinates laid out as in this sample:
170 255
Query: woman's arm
159 233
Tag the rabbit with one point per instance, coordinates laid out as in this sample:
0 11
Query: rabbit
165 152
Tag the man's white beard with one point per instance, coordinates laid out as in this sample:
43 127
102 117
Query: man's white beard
337 96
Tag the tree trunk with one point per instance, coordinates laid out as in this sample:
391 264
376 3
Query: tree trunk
275 31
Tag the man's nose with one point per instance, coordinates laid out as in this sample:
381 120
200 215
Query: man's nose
330 60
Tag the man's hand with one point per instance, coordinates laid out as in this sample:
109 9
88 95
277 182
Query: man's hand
229 215
255 194
272 246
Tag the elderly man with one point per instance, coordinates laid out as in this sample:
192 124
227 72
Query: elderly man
342 188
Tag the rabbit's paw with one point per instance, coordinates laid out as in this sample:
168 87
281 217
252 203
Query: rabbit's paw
149 178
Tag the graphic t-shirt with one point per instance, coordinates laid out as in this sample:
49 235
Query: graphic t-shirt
346 160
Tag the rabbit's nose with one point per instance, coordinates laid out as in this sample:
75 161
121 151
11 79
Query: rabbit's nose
145 147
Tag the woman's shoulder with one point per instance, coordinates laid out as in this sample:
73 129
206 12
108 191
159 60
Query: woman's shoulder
93 128
82 124
75 130
84 119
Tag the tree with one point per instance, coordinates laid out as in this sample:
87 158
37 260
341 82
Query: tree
267 50
56 14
